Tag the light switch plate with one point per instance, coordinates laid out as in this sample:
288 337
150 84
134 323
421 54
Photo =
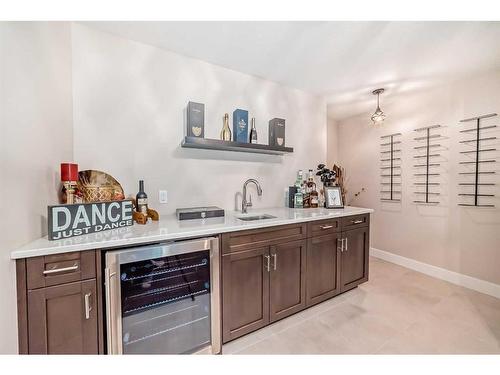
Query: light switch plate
162 196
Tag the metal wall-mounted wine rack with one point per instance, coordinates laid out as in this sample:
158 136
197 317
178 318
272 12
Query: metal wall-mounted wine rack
425 165
390 168
477 172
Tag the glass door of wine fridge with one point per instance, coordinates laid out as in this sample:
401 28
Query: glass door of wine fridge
164 299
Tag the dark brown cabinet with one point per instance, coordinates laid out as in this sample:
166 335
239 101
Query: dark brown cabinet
260 286
323 268
263 277
287 286
269 274
62 319
354 258
245 297
59 304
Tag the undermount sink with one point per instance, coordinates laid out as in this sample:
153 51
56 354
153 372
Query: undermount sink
256 217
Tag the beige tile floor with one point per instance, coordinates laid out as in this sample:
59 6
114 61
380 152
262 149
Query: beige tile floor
399 311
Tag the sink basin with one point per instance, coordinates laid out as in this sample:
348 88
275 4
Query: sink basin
256 217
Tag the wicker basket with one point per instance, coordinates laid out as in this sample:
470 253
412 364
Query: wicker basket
94 193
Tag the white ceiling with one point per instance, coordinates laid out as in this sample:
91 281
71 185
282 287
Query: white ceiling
343 61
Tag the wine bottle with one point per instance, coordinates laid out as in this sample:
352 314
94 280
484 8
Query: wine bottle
253 132
313 197
298 199
142 199
225 133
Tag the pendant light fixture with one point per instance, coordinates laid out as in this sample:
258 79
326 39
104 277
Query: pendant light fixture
378 116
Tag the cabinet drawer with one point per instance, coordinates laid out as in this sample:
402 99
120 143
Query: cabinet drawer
60 269
244 240
356 221
323 227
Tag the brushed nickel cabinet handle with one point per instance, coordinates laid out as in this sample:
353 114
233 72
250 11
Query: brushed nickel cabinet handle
57 270
268 263
88 308
357 221
326 226
346 244
275 258
341 240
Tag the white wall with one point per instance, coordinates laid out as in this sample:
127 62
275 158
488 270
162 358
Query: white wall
35 136
332 142
129 100
464 240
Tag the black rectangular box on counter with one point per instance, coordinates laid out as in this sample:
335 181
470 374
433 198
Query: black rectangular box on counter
277 132
196 120
199 213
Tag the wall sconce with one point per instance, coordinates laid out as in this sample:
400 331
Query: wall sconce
378 116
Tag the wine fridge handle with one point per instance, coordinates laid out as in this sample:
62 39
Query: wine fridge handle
109 324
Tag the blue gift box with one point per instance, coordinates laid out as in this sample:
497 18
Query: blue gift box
240 125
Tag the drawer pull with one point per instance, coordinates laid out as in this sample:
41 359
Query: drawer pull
357 221
326 226
57 270
88 308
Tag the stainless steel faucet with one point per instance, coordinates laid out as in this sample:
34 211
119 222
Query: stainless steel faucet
244 203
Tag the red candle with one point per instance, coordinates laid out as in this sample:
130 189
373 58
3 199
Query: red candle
69 172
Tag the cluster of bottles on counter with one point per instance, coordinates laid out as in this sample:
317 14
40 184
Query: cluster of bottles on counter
305 193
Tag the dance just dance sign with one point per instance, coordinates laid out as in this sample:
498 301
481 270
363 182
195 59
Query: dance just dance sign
70 220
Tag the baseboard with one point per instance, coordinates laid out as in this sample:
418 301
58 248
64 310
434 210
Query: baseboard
470 282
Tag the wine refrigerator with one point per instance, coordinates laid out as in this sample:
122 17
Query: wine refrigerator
164 298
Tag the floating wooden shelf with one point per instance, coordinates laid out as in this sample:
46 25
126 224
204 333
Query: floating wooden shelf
215 144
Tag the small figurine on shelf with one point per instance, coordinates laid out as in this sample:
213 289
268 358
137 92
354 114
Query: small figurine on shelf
142 212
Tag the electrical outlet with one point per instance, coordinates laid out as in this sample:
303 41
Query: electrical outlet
162 196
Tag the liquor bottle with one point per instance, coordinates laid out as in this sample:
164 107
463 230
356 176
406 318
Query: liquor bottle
310 178
298 199
253 132
225 133
308 188
313 197
142 199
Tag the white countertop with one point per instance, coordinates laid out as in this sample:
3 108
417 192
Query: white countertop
169 228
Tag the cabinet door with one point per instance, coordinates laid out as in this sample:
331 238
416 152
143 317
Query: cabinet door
63 319
245 292
287 285
354 263
323 268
